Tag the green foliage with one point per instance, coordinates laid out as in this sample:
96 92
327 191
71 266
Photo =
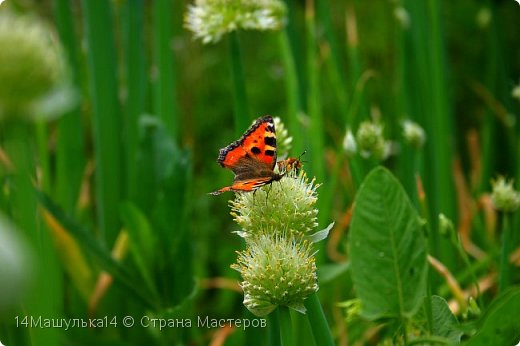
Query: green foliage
498 325
114 111
443 323
387 249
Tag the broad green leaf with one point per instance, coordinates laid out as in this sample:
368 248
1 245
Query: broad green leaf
500 324
444 323
387 249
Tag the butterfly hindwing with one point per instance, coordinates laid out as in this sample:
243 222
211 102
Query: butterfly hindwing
245 185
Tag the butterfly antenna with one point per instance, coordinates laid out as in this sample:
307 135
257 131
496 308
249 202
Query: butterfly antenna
300 157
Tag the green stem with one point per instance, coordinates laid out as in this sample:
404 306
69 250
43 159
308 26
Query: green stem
467 263
70 154
292 89
241 112
43 301
405 330
43 155
428 305
165 105
358 106
136 84
313 95
286 330
505 271
106 120
274 328
337 77
318 322
440 130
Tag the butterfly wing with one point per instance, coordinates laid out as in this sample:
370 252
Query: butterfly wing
252 157
257 144
247 185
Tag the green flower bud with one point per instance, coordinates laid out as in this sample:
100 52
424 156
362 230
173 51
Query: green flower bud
289 202
402 17
473 308
283 140
413 133
515 93
349 143
484 17
277 269
445 225
371 142
353 309
504 197
30 64
209 20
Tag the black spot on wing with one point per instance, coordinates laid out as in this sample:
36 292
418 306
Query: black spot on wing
256 150
224 151
270 141
269 152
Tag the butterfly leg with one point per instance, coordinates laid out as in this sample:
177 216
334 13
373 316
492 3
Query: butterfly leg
268 190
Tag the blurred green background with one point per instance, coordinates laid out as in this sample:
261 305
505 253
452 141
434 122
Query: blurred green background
112 115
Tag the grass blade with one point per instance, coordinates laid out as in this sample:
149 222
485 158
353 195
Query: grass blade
165 94
105 114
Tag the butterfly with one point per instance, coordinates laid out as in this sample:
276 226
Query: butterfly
252 158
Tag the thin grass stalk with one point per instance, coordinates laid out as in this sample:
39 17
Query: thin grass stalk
489 125
42 138
293 32
70 153
136 87
165 99
504 278
355 70
105 115
240 103
294 104
428 88
441 130
407 163
318 322
313 94
428 305
286 329
337 75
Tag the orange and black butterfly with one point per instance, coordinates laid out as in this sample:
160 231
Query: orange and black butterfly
252 158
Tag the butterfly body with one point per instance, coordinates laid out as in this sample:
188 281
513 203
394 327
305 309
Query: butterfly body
289 164
252 158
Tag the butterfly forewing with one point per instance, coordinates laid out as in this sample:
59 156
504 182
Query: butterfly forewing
252 158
